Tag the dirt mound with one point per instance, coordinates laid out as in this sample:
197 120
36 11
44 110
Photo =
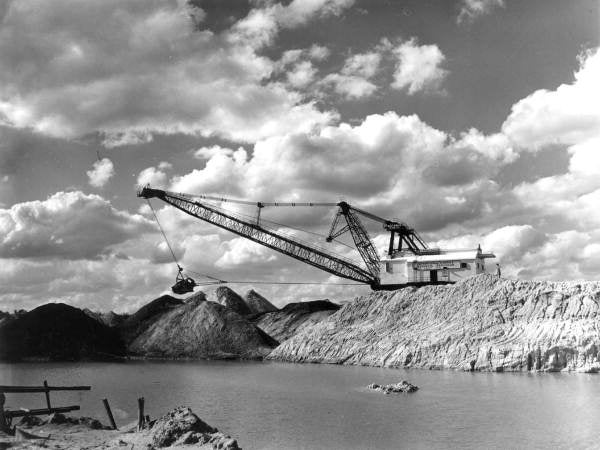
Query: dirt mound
58 332
201 330
294 317
232 300
138 322
480 323
110 319
257 303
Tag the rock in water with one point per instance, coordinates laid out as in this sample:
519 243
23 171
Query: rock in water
182 426
480 323
404 387
257 303
231 299
294 317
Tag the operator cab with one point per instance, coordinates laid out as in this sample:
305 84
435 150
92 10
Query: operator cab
182 284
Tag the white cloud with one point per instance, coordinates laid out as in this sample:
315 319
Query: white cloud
353 82
470 10
57 227
301 75
385 161
418 67
102 172
131 69
318 52
152 176
241 252
567 115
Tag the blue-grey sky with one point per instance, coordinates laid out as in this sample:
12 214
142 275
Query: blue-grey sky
476 121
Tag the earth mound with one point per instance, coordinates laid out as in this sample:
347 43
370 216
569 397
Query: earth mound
138 322
58 332
110 319
257 303
201 329
294 317
182 427
481 323
232 300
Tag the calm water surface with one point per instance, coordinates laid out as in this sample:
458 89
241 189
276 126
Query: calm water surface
293 406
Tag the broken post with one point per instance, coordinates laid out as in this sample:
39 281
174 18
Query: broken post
140 413
110 415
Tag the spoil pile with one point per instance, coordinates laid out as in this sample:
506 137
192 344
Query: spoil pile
257 303
294 317
58 332
232 300
200 329
182 427
481 323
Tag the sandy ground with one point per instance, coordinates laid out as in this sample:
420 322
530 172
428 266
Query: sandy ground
67 436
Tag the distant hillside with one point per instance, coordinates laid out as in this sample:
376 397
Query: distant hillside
200 329
480 323
58 332
294 317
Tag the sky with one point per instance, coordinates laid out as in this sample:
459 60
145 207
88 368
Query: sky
474 121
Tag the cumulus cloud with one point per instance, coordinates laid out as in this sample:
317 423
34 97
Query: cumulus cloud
470 10
418 67
153 176
567 115
354 80
384 161
135 68
102 171
68 225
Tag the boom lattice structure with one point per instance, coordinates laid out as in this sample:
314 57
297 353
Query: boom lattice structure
253 231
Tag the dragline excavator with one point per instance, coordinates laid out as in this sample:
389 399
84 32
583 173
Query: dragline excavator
402 240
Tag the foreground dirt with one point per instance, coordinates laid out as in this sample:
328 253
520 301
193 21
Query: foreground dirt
180 428
482 323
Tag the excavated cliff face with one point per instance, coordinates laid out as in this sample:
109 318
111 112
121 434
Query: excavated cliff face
480 323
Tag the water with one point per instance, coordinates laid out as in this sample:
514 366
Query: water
293 406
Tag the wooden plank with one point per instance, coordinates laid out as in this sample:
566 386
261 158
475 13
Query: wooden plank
40 412
26 389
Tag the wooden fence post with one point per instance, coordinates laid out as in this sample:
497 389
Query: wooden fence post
110 415
140 413
3 424
47 394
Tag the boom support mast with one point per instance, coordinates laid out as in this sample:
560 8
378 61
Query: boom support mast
268 238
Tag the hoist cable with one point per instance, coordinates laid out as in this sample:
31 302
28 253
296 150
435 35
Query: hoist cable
163 233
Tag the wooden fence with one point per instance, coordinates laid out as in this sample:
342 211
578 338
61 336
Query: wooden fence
6 416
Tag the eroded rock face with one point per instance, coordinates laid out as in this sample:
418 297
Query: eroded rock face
480 323
182 427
